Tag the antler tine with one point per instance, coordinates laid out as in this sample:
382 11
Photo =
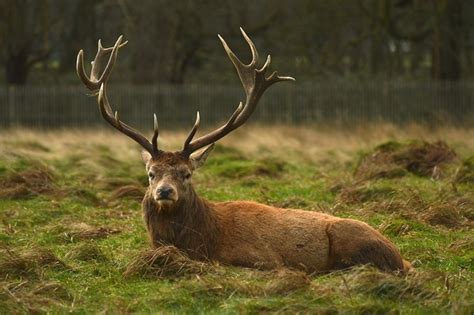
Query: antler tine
114 120
107 49
239 65
110 63
192 132
95 80
189 147
253 49
254 82
154 140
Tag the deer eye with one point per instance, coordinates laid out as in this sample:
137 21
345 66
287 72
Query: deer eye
151 176
187 176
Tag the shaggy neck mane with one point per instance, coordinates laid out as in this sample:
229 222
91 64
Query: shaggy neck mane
191 226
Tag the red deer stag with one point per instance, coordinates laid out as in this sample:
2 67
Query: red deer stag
242 233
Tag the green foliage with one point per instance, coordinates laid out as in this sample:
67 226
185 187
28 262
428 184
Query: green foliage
80 241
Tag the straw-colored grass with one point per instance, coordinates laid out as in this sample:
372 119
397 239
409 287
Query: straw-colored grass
72 237
308 141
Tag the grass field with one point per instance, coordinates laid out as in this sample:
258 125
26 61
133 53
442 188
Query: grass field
72 237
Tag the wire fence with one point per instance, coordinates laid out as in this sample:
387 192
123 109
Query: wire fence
316 103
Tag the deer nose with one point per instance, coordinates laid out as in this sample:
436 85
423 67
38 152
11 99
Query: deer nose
164 192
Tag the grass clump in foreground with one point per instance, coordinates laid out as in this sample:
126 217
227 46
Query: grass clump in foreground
20 184
72 237
85 252
395 159
164 262
32 297
22 285
27 264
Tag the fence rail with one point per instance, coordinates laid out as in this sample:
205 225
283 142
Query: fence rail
325 102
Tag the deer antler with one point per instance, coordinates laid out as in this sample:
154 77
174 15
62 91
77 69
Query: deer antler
255 83
98 81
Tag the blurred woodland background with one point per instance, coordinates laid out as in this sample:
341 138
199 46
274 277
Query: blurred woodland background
354 60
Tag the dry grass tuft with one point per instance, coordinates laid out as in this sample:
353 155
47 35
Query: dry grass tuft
169 262
452 213
81 195
252 283
112 183
133 191
27 263
86 252
444 216
24 184
283 281
27 297
362 193
83 231
394 159
165 262
462 245
271 167
371 281
447 210
465 174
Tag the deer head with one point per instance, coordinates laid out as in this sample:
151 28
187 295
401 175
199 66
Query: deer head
169 177
170 173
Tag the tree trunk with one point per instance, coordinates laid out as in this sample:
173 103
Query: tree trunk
445 57
17 68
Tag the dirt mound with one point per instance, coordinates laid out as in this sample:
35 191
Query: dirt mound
394 159
27 183
164 262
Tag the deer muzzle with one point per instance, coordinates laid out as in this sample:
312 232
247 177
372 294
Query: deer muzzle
166 195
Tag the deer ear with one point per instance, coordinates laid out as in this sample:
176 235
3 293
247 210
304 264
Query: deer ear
198 159
146 156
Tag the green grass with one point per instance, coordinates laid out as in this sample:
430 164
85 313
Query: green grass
91 237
